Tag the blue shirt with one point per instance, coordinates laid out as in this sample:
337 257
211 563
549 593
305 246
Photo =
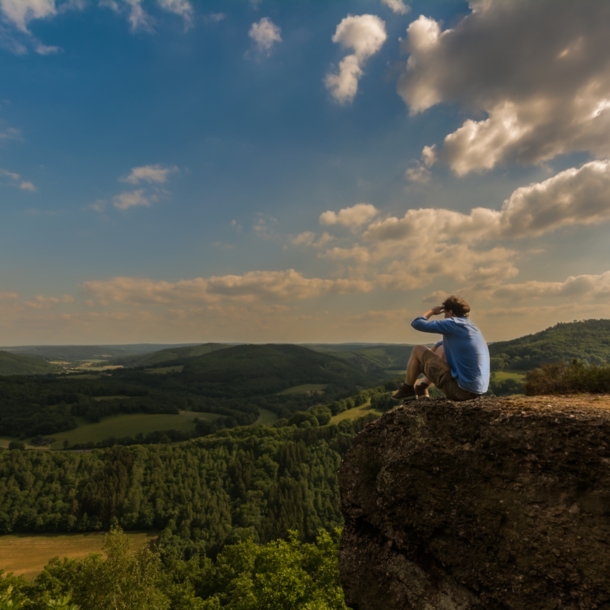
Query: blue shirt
466 351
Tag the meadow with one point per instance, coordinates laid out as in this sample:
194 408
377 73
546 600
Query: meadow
119 426
26 555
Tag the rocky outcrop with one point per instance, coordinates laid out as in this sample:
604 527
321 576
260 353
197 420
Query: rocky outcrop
488 504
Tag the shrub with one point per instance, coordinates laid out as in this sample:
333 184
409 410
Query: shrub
566 378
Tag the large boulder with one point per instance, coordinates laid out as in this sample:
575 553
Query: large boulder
494 503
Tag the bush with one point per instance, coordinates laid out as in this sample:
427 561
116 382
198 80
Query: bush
566 378
16 445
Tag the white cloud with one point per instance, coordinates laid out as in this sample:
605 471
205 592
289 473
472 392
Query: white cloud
21 12
418 173
214 17
309 238
179 7
397 6
265 34
363 34
538 72
353 217
15 179
575 196
42 302
139 19
574 287
98 206
131 199
8 295
254 285
150 173
359 254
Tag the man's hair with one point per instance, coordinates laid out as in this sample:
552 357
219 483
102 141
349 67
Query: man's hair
458 306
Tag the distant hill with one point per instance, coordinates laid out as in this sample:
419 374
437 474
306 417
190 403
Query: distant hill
368 356
15 364
588 341
246 370
73 353
170 354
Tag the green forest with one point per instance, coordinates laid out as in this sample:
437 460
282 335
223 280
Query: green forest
587 341
234 383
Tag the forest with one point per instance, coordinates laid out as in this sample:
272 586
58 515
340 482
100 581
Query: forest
234 383
587 341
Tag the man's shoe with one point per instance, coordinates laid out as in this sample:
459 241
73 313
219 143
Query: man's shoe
421 390
405 392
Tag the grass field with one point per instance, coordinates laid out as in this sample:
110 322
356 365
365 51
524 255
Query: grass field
502 375
355 413
26 555
305 388
266 418
129 425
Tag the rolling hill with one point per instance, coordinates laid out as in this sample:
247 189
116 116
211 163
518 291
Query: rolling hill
15 364
246 370
587 340
169 355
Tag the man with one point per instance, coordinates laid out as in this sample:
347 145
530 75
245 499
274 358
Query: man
463 372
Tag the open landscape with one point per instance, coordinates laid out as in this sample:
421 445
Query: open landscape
231 233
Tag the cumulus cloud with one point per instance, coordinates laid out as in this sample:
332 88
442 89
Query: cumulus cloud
254 285
265 35
364 35
131 199
353 217
397 6
309 238
150 173
538 72
575 196
574 287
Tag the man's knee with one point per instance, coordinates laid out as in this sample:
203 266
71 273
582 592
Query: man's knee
419 351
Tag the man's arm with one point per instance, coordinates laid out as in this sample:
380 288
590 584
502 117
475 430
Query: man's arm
423 323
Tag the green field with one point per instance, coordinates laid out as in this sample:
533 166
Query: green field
266 418
129 425
355 413
305 388
502 375
26 555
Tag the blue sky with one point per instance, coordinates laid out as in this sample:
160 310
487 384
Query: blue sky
173 170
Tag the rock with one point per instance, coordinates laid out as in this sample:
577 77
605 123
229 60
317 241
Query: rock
494 503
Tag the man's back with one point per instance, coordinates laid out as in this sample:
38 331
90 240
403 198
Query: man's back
465 348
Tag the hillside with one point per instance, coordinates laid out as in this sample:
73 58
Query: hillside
371 356
588 341
247 370
169 355
15 364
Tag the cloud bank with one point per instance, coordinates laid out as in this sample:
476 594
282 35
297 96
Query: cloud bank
538 72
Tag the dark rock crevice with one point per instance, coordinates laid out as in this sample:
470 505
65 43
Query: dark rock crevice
493 503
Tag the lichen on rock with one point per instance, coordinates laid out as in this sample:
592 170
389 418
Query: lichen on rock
494 503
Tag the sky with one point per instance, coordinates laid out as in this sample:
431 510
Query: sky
268 171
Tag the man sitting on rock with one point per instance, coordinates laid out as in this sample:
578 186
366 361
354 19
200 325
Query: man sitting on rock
462 373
